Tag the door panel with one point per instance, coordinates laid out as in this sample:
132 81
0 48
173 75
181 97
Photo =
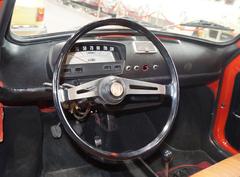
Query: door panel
233 122
224 104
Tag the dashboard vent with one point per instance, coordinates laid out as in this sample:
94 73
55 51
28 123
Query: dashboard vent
114 37
144 47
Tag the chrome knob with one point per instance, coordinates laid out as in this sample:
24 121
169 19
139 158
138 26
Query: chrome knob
136 68
128 68
155 67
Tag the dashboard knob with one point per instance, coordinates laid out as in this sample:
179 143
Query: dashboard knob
128 68
145 67
136 68
155 67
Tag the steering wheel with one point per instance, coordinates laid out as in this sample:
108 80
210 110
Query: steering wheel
112 90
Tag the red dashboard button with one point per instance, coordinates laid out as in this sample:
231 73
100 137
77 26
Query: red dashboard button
145 67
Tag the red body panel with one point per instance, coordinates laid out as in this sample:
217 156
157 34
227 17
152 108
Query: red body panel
214 87
1 3
47 109
223 105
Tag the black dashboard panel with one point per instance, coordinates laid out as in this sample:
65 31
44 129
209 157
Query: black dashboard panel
196 63
29 65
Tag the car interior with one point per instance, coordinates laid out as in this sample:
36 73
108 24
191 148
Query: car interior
122 101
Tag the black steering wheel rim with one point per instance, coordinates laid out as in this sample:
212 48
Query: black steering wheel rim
175 91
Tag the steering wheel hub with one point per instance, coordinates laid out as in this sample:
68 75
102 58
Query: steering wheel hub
112 90
116 89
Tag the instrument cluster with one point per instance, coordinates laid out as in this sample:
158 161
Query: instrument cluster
94 58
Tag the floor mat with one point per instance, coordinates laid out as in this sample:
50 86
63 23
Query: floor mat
188 160
58 153
22 147
185 170
63 158
90 171
84 171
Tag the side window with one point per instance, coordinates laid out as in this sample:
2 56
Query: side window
28 18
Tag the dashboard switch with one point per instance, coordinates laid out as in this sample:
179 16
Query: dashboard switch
128 68
67 70
107 67
136 68
80 70
117 67
145 67
155 67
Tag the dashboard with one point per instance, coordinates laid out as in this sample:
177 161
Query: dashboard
29 66
197 63
91 58
138 58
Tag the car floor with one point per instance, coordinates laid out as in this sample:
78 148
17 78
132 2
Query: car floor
184 163
62 158
29 149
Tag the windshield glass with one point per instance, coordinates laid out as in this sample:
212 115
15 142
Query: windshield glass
214 20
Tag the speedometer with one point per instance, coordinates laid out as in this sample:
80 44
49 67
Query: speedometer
87 57
95 58
92 53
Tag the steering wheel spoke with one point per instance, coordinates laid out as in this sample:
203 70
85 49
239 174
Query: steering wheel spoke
131 87
136 87
86 90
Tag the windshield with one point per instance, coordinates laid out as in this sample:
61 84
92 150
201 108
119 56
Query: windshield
214 20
